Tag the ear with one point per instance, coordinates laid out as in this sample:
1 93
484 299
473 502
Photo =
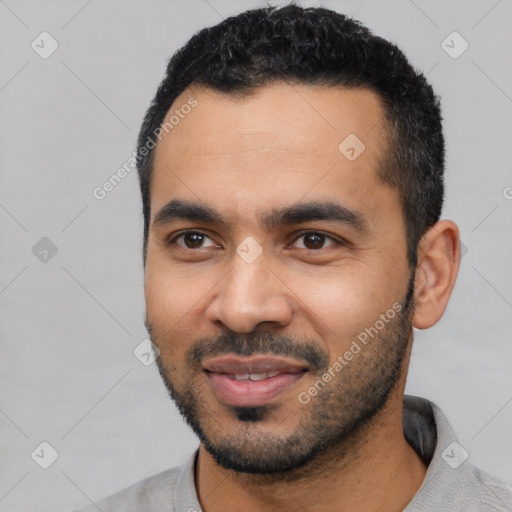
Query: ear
436 272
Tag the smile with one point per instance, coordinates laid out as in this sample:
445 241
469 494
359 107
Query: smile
253 376
251 390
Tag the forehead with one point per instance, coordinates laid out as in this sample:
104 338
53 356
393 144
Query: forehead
278 144
296 117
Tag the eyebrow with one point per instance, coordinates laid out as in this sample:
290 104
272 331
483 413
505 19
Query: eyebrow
179 209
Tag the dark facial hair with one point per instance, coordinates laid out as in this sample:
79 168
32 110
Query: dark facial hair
339 410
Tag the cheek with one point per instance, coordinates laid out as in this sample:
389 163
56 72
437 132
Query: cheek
167 314
175 302
168 298
342 306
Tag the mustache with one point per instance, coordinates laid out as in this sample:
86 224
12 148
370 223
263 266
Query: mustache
258 343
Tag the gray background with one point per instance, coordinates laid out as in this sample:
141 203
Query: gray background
68 375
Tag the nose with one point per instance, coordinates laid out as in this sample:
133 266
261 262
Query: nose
249 295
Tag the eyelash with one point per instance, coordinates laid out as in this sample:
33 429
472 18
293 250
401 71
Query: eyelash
301 234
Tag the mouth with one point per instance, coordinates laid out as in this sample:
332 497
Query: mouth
254 376
252 381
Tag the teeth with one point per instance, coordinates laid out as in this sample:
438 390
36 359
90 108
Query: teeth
254 376
257 376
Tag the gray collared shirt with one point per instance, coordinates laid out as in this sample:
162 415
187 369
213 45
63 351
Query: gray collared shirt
452 483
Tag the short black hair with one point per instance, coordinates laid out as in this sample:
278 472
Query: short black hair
315 46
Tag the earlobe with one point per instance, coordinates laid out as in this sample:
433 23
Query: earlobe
436 272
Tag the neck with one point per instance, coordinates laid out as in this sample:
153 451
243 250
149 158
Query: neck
373 470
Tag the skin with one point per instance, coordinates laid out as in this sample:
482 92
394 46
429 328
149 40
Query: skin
245 157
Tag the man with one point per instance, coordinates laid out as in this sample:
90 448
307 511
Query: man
291 170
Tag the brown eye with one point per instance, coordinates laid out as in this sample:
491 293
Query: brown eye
192 240
314 240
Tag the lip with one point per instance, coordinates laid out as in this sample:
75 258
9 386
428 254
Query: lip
253 364
247 393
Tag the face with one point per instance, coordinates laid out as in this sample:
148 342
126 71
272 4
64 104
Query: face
277 284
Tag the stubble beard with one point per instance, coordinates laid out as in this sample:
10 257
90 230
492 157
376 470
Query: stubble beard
333 419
